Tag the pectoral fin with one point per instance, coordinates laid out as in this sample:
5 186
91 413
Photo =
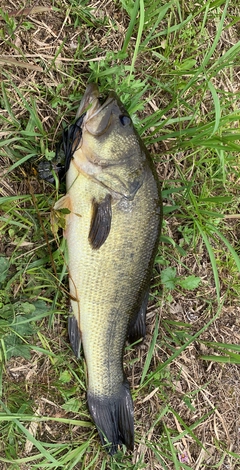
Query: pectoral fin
63 203
101 222
60 214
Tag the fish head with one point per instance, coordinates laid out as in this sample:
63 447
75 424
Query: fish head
107 130
110 149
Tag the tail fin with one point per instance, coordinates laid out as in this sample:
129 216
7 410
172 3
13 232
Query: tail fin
113 417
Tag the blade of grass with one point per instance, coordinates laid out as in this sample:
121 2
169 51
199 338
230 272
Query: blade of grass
138 40
212 258
8 106
172 449
228 245
11 417
219 29
150 351
31 438
231 359
163 9
131 26
19 163
182 348
233 347
217 107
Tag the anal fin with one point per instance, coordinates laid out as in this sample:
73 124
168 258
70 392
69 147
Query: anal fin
60 214
74 335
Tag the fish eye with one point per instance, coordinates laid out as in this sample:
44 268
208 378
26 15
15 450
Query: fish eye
125 120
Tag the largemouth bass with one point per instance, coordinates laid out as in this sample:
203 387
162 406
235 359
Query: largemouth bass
112 231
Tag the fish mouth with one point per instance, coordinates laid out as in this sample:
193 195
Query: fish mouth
98 109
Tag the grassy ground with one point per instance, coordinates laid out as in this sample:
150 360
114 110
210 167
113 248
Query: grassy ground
175 66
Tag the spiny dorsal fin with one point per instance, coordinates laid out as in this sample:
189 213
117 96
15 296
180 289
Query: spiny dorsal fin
101 222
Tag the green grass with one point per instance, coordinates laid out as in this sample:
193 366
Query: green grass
174 65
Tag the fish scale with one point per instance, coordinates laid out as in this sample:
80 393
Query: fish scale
118 260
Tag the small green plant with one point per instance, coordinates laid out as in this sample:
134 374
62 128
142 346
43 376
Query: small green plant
227 353
9 23
17 324
170 280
